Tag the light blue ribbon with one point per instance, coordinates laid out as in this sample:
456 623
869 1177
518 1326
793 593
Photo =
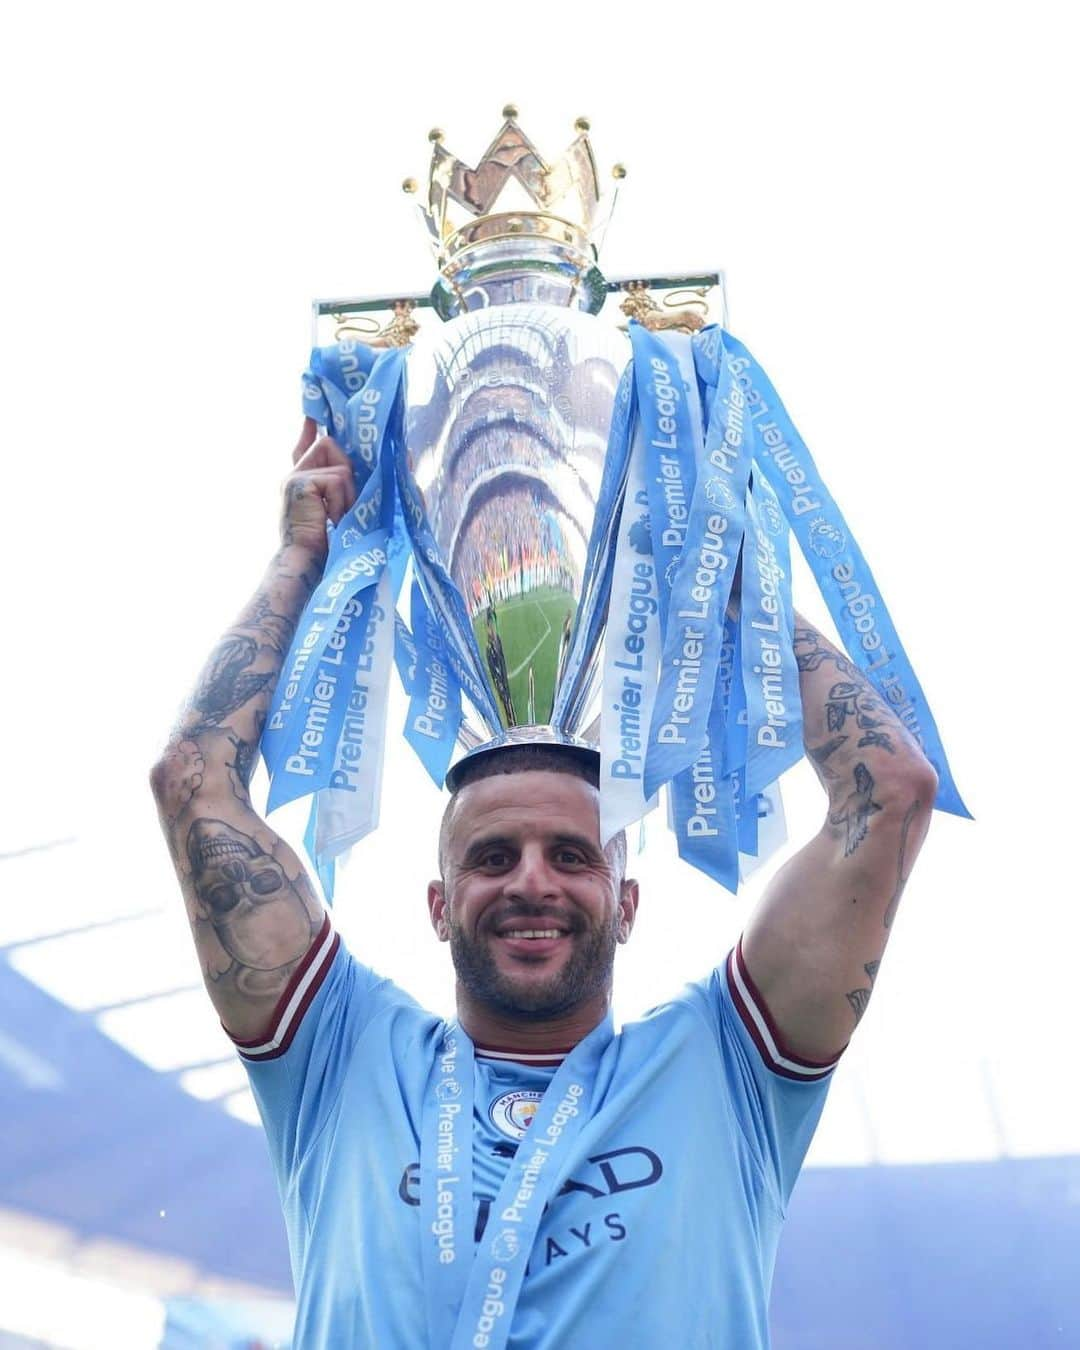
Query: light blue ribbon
315 688
671 455
632 649
446 1183
434 716
333 376
769 674
846 582
702 586
405 655
703 800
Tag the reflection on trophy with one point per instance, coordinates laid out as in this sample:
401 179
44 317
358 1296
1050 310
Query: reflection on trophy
496 663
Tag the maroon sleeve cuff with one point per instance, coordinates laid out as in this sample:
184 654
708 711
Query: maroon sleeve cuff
288 1013
762 1029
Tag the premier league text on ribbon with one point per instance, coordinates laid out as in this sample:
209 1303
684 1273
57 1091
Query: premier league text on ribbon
858 601
697 606
447 1147
641 606
521 1210
316 725
768 670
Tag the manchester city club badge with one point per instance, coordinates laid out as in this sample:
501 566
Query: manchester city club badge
512 1112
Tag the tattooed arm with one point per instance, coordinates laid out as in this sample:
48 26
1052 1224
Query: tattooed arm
252 909
814 943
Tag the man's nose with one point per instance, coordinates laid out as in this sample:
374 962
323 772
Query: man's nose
533 877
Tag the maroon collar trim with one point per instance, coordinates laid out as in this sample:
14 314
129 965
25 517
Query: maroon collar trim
541 1059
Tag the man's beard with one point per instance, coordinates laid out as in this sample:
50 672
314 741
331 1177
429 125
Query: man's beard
585 973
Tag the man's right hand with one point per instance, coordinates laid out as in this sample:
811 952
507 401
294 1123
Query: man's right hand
319 489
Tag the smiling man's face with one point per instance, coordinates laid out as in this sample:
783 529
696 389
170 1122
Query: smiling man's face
529 902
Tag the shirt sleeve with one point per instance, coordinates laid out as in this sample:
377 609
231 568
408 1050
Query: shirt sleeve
298 1068
778 1096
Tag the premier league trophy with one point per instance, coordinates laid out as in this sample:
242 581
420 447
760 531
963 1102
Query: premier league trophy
564 475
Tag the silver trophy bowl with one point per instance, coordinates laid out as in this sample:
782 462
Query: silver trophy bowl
508 412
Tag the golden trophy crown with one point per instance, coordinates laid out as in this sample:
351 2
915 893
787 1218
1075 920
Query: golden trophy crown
548 209
517 227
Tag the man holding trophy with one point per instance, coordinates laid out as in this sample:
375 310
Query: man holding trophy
525 1175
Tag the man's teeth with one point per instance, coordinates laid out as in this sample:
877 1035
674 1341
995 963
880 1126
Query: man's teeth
533 933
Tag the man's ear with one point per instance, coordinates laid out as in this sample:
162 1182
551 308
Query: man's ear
628 903
436 902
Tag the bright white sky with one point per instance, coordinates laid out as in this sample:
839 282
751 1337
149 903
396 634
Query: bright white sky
888 189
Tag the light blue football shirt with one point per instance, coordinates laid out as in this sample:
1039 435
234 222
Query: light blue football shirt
664 1229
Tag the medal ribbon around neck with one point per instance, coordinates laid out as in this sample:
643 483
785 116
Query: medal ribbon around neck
471 1294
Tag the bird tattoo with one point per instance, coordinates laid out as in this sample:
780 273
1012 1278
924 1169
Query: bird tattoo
855 811
229 684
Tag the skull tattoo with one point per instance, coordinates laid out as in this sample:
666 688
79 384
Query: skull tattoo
257 913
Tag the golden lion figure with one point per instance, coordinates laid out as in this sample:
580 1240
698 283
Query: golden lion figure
642 306
401 329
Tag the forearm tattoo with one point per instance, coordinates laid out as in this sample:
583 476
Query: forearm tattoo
276 630
848 717
234 689
228 682
859 998
853 738
242 764
851 699
810 653
820 753
253 921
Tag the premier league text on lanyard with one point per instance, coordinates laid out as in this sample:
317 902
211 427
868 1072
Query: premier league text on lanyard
471 1295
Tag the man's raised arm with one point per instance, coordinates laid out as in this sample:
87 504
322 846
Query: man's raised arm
813 944
252 908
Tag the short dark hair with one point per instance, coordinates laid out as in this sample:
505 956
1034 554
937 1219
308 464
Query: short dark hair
530 759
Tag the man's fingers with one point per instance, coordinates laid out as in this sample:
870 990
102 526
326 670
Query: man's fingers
335 497
321 454
307 438
333 483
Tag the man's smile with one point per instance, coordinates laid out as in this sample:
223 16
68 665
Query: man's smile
532 943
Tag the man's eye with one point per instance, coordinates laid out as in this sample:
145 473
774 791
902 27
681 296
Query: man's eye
570 856
496 858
